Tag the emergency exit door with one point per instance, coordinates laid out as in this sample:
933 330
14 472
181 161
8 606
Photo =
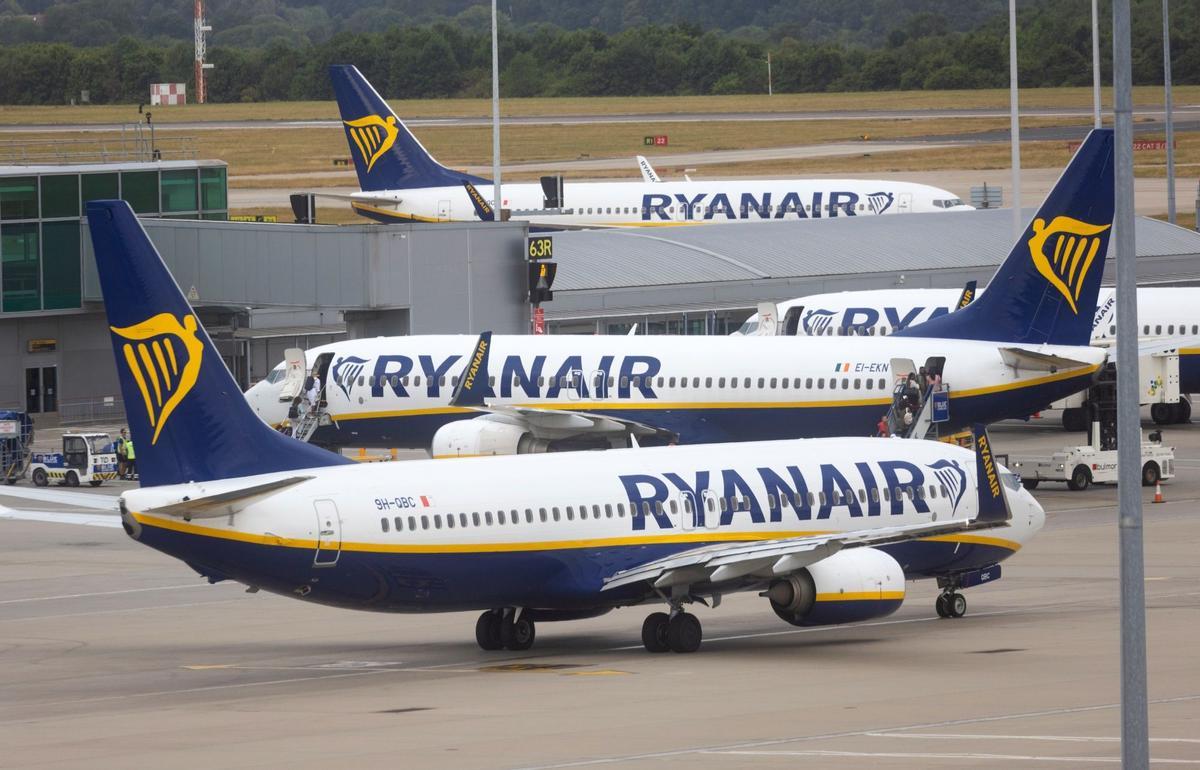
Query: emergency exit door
329 534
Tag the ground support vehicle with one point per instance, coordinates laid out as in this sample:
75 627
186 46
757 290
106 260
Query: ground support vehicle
85 457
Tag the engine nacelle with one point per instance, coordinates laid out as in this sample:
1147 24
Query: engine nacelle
849 586
486 435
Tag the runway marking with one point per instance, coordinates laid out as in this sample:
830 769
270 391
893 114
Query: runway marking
990 737
934 755
103 593
750 745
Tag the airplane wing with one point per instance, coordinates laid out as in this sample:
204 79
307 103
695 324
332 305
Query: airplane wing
770 558
471 390
722 562
99 502
377 200
648 172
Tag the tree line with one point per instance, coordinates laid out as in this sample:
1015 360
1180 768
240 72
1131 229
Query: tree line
452 60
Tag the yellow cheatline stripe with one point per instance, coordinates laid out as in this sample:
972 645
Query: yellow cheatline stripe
999 542
591 405
860 596
1189 351
178 525
135 370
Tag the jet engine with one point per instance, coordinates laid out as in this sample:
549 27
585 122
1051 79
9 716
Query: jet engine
851 585
488 434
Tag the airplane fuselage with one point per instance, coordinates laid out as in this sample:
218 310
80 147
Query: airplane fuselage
665 204
545 531
390 392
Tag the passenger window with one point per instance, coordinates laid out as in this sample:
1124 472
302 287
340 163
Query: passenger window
887 494
487 518
582 512
733 381
708 382
845 383
870 384
417 380
774 382
857 384
608 510
499 517
874 494
475 518
596 512
542 514
833 383
834 497
570 513
620 510
932 492
882 384
674 507
796 383
724 505
658 507
720 382
449 521
1158 328
424 522
661 380
746 383
412 523
671 383
821 497
624 382
820 383
1146 330
528 515
384 523
812 499
862 495
761 383
554 512
399 522
462 520
683 381
783 382
695 382
945 492
637 382
808 383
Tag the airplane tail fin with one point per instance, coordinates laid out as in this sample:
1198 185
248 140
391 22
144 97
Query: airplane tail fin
473 386
386 154
1045 291
967 296
187 416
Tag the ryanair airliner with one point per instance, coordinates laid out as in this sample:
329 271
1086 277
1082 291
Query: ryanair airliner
828 530
1008 355
401 182
1167 323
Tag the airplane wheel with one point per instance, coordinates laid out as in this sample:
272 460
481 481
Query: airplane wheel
487 631
956 605
940 606
40 479
654 632
517 636
1081 477
72 479
684 633
1162 414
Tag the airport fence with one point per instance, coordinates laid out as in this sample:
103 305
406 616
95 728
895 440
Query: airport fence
96 410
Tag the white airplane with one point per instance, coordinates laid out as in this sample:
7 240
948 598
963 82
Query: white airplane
401 182
1167 319
563 392
828 529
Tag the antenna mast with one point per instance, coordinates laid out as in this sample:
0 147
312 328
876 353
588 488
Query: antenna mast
201 30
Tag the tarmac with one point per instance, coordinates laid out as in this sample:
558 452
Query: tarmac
118 656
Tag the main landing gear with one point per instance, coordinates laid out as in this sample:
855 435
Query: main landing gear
951 604
504 629
677 632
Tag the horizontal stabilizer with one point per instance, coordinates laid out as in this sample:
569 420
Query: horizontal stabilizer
225 503
62 517
1032 360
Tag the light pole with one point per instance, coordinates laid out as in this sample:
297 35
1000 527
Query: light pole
1170 105
1096 64
497 199
1014 122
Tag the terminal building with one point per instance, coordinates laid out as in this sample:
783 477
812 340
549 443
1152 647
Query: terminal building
261 288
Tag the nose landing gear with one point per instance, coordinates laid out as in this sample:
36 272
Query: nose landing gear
951 604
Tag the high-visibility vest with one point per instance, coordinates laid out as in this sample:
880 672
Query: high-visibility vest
129 453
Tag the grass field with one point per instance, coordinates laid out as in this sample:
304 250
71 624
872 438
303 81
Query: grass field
1144 96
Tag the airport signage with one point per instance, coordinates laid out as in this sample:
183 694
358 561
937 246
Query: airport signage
253 218
659 140
541 247
1139 145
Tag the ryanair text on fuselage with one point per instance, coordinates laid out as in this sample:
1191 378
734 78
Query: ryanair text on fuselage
658 206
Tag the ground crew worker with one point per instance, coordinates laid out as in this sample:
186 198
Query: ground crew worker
130 460
122 462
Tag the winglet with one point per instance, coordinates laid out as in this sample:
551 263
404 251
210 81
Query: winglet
648 172
483 209
993 506
968 294
473 383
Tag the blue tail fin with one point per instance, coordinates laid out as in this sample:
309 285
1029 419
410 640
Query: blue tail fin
386 154
473 386
993 505
1045 292
188 417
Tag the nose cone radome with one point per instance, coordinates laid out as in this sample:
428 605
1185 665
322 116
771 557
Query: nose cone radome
263 398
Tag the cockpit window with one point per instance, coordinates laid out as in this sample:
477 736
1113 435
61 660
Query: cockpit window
277 373
948 203
749 327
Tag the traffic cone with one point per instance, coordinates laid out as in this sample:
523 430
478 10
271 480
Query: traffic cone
1158 492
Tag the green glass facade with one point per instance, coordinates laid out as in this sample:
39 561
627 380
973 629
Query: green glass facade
42 226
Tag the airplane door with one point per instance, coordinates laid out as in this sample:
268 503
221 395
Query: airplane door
443 209
901 367
293 374
768 316
791 321
687 511
904 203
329 534
712 512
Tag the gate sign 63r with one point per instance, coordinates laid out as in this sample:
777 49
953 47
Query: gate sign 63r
541 248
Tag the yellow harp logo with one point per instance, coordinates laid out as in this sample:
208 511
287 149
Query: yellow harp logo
163 356
1075 245
373 136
